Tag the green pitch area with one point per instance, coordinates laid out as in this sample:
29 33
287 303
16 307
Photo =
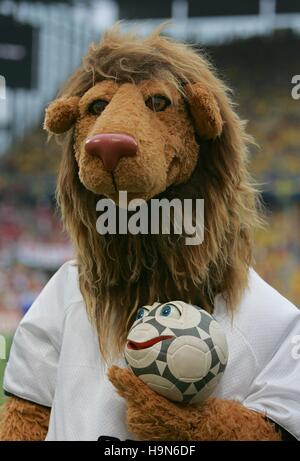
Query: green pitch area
8 340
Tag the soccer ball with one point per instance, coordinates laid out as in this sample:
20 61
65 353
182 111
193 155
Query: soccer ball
178 349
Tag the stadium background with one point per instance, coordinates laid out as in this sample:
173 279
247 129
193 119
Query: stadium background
255 45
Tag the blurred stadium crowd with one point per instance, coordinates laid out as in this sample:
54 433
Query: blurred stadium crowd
32 244
260 70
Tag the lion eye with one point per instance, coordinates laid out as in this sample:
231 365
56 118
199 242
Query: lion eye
158 103
97 107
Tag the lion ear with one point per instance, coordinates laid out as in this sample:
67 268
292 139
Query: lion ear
61 114
205 111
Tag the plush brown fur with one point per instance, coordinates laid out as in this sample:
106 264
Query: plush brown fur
152 417
196 148
22 420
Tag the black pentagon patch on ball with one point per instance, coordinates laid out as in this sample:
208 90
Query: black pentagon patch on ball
185 332
170 377
214 357
205 321
160 328
152 369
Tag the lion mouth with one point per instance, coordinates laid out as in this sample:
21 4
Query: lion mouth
146 344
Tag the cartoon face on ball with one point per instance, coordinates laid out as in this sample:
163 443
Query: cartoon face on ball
178 349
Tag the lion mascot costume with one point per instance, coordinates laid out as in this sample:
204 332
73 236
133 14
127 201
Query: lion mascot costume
150 116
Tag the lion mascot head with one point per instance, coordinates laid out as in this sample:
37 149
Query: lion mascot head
149 116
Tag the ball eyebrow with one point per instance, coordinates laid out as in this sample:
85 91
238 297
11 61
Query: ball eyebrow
179 308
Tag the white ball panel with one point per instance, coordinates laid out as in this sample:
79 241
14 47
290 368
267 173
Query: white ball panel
163 387
189 358
191 316
219 339
144 357
143 332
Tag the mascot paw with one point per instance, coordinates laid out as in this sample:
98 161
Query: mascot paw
149 415
152 417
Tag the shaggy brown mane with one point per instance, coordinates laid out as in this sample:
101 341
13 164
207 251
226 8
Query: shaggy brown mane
119 273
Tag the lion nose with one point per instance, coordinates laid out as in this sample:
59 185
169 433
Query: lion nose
110 147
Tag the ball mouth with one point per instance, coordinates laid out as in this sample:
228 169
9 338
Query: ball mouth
146 344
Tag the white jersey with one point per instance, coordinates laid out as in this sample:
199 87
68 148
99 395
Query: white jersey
55 360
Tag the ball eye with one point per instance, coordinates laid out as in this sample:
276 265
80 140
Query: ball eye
171 311
158 103
141 313
97 107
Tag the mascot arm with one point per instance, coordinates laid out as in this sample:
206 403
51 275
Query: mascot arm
152 417
23 420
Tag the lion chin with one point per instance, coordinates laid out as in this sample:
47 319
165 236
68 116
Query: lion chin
111 187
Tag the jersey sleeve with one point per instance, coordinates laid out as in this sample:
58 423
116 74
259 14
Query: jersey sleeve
32 366
275 391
